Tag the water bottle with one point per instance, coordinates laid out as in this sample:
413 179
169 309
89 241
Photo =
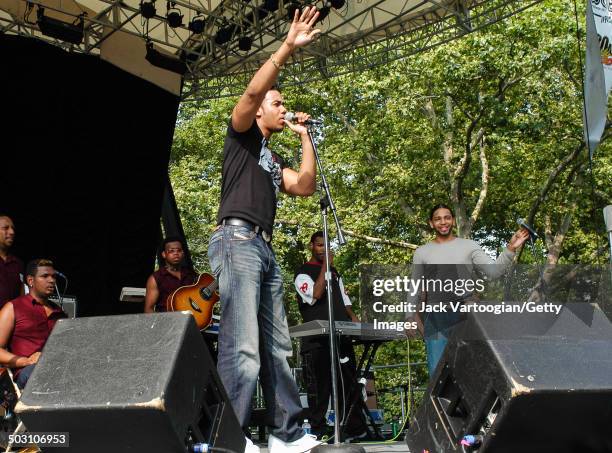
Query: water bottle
394 426
199 447
364 393
306 426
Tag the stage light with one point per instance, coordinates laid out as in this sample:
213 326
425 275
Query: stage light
197 24
173 15
161 60
270 5
224 34
337 4
147 9
64 31
291 9
323 13
245 43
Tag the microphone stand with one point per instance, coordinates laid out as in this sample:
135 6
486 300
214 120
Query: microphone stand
607 212
532 238
60 296
326 203
543 286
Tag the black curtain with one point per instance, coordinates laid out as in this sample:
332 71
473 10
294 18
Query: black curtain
83 161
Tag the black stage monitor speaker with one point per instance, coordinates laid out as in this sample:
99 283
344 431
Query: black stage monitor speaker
528 383
134 383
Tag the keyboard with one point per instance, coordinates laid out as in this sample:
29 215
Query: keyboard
129 294
360 330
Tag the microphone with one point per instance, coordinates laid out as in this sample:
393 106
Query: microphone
59 274
290 116
522 224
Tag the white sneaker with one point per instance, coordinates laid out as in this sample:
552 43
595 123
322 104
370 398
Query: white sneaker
250 447
302 445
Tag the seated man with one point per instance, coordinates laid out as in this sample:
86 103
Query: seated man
27 322
167 279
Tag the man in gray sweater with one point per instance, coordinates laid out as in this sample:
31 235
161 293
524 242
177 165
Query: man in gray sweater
457 259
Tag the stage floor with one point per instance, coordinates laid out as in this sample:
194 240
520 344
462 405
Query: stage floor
391 447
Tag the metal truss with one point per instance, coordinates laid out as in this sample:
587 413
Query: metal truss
368 49
359 35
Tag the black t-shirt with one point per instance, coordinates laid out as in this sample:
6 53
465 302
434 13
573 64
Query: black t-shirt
252 176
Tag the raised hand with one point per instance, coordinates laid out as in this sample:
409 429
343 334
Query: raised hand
301 32
518 239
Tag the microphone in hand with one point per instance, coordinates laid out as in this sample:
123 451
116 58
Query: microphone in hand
523 224
292 118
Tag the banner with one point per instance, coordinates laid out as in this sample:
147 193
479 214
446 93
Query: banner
602 13
595 95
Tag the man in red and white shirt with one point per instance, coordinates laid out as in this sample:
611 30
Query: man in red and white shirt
311 288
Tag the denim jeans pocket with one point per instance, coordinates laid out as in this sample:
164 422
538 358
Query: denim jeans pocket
216 236
215 248
243 234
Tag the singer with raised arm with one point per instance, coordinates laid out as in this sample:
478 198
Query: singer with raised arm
450 257
253 334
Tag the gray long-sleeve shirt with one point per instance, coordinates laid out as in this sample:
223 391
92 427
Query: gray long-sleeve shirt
457 260
463 251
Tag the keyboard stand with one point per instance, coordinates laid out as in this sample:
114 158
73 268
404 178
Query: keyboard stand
363 368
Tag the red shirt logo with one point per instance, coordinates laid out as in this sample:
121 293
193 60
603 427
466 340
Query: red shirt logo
304 287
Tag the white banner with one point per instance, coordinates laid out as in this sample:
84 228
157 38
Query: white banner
595 95
602 12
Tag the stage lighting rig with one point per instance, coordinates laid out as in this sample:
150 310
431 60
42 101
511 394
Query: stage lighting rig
291 9
245 43
173 15
197 24
164 61
270 5
224 35
323 13
64 31
147 9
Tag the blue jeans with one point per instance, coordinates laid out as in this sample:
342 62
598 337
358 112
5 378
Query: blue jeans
22 378
438 327
253 334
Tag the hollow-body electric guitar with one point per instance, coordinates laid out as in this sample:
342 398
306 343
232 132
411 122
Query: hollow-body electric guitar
199 299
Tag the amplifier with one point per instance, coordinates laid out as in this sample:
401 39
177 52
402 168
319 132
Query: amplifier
530 384
69 305
141 383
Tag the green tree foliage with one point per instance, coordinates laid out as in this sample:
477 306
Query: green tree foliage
490 123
